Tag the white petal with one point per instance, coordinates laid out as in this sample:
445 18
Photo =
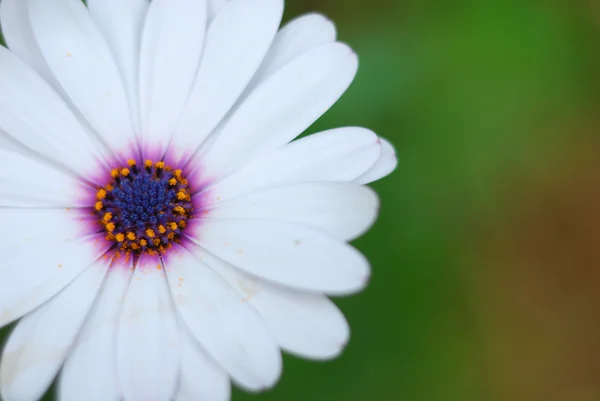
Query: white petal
214 7
16 28
344 211
295 38
83 64
282 107
26 182
121 22
39 344
386 163
89 372
147 337
34 275
236 42
308 325
200 377
23 228
230 331
337 155
305 324
289 254
171 49
7 143
35 116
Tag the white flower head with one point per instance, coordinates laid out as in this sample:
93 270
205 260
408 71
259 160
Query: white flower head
163 233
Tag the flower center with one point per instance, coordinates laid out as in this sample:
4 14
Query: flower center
144 210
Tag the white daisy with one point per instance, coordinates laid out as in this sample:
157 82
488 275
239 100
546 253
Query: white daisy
162 236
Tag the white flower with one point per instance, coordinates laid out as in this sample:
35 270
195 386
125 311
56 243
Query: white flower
161 236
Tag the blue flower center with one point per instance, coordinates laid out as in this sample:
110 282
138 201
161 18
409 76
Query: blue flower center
144 210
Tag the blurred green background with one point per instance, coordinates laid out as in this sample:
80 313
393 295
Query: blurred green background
484 101
484 258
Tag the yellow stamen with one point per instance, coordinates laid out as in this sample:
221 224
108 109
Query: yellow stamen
182 224
181 195
99 206
173 182
107 217
120 237
160 165
149 163
150 233
110 227
178 173
101 194
156 241
143 242
179 209
131 162
131 236
173 225
162 229
125 172
114 173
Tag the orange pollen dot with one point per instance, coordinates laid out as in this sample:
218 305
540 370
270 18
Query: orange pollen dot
182 224
131 162
162 229
114 173
177 173
120 237
148 163
156 241
158 267
173 225
109 187
181 195
110 227
99 206
143 242
179 209
101 194
172 182
150 233
107 217
125 172
131 236
160 165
